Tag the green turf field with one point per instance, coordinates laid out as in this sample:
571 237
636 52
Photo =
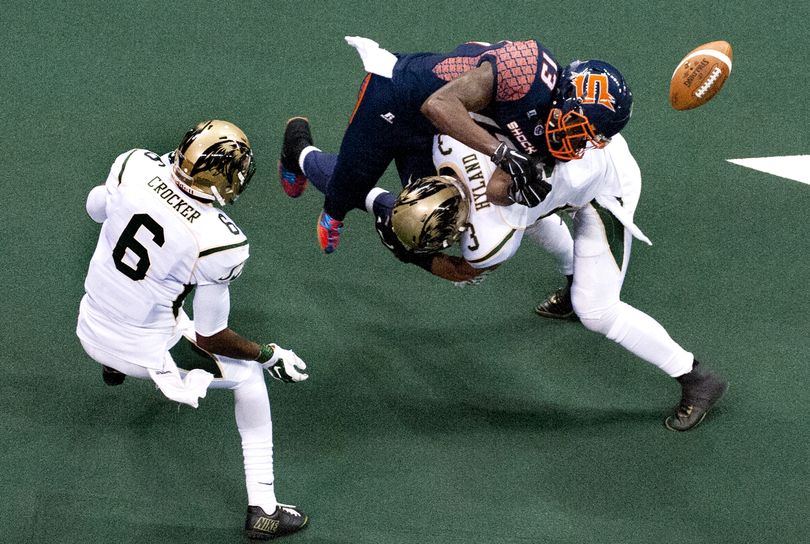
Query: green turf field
433 415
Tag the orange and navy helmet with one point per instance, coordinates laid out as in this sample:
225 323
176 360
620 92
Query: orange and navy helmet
592 104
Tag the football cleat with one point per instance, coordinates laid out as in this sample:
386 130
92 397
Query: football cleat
112 376
285 520
296 138
329 230
700 391
557 306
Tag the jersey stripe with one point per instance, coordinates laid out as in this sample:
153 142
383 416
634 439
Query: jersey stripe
222 248
124 165
360 96
178 303
496 249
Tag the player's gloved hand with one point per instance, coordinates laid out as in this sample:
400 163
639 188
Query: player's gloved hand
329 230
528 186
285 365
477 280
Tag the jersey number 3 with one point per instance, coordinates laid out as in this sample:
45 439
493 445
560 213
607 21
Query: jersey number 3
127 241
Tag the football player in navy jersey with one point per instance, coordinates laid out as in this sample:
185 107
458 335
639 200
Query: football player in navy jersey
486 105
406 99
503 100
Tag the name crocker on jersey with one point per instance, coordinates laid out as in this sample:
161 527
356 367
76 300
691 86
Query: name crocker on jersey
173 199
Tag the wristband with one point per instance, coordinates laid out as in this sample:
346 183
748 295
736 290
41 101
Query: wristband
266 352
500 153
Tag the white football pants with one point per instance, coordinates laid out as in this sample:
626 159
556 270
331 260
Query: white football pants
552 234
252 408
595 296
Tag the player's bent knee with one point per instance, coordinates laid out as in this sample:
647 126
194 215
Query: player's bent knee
601 320
238 373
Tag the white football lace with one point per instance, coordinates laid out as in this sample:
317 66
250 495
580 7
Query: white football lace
709 82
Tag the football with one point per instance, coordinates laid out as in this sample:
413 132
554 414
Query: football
699 75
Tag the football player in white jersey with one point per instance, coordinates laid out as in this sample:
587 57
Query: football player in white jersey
472 205
162 237
298 147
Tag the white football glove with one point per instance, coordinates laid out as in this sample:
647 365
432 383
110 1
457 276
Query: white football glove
477 280
285 365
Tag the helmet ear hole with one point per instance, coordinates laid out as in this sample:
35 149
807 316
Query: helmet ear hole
214 161
430 214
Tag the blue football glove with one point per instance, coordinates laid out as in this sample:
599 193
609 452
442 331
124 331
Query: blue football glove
329 230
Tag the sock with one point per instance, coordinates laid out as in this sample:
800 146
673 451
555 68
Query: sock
691 376
318 167
640 334
252 408
380 202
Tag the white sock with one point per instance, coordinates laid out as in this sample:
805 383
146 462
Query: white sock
643 336
252 408
306 151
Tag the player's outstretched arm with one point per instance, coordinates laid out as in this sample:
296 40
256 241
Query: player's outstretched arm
282 364
456 269
211 309
229 343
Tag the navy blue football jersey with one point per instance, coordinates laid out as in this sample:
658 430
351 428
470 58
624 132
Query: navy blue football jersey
525 73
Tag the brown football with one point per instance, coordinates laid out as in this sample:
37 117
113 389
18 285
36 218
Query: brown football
700 74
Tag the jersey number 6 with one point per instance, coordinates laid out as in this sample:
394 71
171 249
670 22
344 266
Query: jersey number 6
127 241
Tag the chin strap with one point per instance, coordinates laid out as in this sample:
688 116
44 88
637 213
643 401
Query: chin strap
183 182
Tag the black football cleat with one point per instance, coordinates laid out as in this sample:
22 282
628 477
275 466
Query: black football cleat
557 306
297 136
285 520
112 376
700 390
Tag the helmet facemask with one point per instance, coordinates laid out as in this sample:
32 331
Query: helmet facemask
569 134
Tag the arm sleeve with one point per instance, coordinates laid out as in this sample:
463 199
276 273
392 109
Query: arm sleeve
212 304
222 266
96 204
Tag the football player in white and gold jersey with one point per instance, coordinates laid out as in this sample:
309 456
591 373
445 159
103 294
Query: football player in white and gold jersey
162 237
469 204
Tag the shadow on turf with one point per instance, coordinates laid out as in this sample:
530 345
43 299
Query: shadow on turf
423 417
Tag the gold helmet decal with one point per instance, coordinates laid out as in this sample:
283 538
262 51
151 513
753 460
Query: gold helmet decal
214 162
430 214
